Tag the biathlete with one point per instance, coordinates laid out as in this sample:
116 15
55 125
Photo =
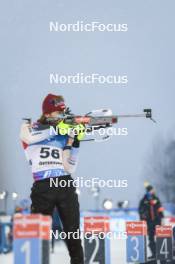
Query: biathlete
55 156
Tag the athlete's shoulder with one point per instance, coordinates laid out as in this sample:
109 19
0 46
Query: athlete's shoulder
38 126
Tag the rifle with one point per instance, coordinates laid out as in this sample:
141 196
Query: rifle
105 119
94 120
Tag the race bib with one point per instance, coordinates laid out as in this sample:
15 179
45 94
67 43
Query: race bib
46 157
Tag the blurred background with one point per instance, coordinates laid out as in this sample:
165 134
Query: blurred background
145 53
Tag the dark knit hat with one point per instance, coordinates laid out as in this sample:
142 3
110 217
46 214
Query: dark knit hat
148 186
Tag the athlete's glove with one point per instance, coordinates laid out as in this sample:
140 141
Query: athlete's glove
77 131
63 128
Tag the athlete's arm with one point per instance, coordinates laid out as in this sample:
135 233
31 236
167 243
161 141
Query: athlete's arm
160 208
31 134
141 210
70 155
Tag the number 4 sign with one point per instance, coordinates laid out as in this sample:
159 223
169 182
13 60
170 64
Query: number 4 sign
164 242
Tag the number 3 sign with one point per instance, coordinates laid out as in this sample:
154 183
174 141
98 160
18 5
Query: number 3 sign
136 241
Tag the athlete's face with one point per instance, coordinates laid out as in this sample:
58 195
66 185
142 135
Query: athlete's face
54 114
152 192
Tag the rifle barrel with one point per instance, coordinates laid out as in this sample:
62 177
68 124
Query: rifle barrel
136 115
